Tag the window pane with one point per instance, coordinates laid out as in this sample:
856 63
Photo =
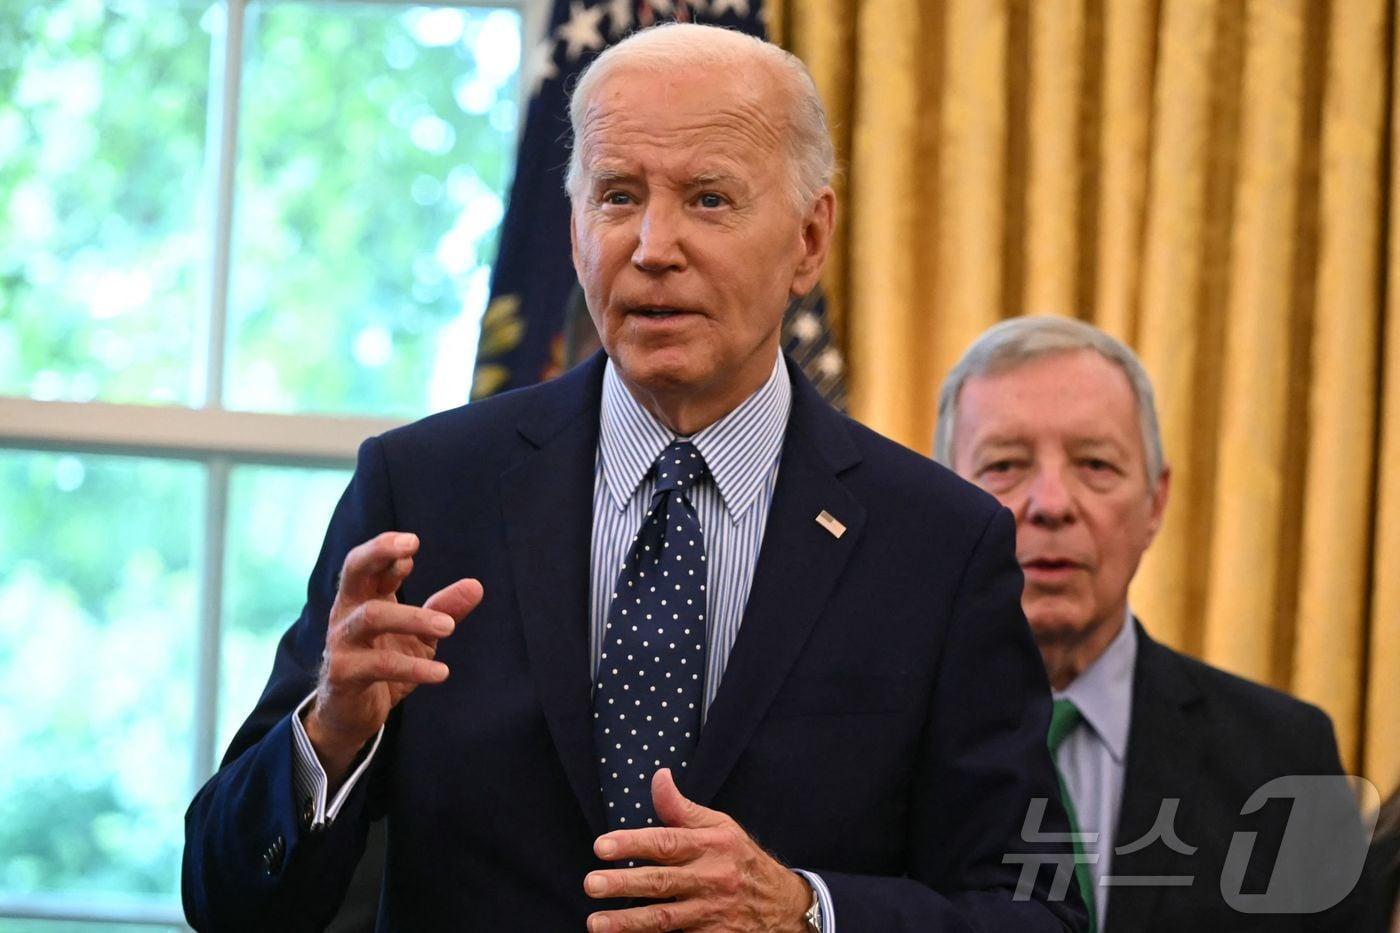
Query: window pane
102 118
98 601
375 150
277 518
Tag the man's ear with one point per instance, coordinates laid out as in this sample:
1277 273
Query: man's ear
817 227
1160 489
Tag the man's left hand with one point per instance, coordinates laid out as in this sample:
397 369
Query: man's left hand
708 874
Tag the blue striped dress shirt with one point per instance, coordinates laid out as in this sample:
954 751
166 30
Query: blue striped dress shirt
741 451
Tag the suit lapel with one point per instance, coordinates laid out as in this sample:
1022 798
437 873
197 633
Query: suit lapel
798 566
548 503
547 498
1165 744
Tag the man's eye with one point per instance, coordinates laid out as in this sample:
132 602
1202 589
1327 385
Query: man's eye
617 197
1099 466
710 199
998 466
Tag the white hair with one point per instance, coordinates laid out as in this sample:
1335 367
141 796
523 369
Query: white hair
1015 342
673 46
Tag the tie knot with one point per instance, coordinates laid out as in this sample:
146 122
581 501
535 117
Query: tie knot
679 467
1064 716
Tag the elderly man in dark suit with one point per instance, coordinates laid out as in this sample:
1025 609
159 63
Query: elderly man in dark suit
1158 753
619 649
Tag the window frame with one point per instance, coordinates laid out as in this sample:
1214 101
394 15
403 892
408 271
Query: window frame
207 433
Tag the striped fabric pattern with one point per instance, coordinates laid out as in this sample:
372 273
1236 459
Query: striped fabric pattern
741 450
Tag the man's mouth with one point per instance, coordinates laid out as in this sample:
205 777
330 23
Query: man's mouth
1051 564
659 314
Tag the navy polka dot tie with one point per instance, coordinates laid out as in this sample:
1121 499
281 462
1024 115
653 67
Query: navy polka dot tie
651 670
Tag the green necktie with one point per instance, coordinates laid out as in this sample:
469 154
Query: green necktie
1064 717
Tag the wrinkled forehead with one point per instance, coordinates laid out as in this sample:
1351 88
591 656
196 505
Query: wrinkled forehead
736 114
1074 396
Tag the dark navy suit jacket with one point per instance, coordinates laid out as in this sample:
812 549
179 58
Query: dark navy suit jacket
1210 740
881 720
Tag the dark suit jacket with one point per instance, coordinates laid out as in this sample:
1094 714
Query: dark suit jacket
881 720
1383 863
1212 739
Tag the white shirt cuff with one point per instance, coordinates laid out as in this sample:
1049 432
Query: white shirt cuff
310 776
828 910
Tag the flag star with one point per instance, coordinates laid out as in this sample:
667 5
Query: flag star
806 327
619 17
739 7
830 362
542 67
581 34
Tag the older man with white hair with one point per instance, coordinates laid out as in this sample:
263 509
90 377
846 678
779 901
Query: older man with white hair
716 629
1158 753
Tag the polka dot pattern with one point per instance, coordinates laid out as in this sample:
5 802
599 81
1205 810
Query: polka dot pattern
646 705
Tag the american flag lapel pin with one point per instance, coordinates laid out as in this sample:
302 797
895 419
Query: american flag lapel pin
829 522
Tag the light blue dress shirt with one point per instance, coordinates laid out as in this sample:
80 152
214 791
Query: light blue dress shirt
1092 758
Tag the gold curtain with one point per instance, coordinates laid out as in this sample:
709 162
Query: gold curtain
1210 180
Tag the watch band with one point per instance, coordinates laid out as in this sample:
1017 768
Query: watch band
813 916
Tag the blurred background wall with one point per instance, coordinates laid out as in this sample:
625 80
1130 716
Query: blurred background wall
1209 180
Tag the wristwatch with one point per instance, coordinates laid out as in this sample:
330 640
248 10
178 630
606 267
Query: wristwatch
813 916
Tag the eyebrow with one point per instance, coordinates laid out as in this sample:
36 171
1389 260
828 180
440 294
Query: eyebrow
707 179
1001 440
1081 444
607 176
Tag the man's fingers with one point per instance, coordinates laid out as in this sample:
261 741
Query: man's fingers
377 567
663 844
456 600
379 617
369 667
656 882
653 918
675 810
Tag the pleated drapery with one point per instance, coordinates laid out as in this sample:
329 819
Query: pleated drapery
1210 180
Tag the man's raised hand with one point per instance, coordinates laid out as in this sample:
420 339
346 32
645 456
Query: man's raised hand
708 874
377 650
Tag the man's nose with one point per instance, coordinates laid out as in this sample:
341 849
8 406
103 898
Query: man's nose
659 247
1049 500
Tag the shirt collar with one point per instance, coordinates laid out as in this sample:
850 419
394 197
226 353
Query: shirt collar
1103 693
739 449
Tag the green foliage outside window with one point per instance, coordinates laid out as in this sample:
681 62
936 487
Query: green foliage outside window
102 123
98 591
277 518
375 146
374 150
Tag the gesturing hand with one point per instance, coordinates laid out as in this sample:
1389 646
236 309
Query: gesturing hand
709 873
377 651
